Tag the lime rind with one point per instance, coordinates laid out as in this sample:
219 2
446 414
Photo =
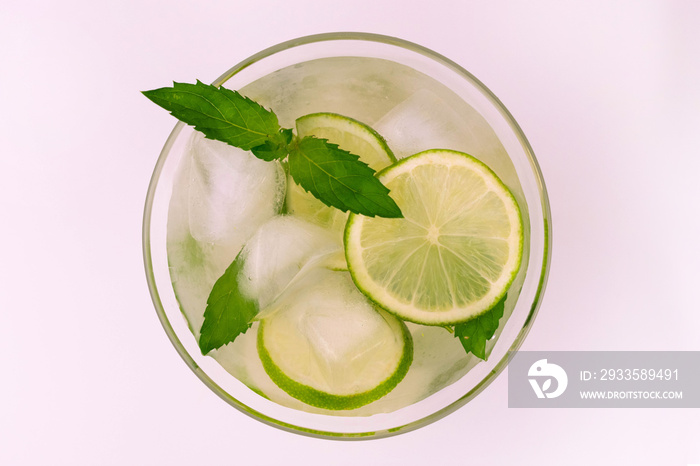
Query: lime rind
330 401
378 293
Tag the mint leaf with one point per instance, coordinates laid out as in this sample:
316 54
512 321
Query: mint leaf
474 333
219 113
274 149
228 312
339 179
336 177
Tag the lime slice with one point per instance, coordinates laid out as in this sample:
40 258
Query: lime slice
329 347
455 252
349 135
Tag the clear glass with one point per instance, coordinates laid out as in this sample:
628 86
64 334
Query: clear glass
513 161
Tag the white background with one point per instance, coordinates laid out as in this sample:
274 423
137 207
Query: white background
607 93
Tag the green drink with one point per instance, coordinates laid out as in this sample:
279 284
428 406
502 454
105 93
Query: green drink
341 346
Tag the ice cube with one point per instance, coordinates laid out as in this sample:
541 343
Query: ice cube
220 196
427 121
231 191
340 341
438 357
276 253
338 333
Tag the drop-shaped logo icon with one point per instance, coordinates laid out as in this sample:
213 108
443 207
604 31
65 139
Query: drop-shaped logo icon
541 369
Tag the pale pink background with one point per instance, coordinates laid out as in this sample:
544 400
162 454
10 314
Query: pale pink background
607 93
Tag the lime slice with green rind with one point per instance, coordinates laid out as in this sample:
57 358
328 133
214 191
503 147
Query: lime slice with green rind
350 135
328 346
455 252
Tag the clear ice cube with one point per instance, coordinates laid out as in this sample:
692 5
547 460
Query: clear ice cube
231 191
339 340
426 121
340 324
276 253
221 195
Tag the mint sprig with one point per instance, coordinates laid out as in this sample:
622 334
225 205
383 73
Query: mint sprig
474 333
334 176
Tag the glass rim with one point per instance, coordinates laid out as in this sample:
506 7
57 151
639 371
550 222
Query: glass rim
498 367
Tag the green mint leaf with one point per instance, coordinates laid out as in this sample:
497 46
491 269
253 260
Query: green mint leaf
473 334
274 149
339 179
228 312
219 113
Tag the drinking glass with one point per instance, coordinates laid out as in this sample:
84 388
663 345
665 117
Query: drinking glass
363 75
